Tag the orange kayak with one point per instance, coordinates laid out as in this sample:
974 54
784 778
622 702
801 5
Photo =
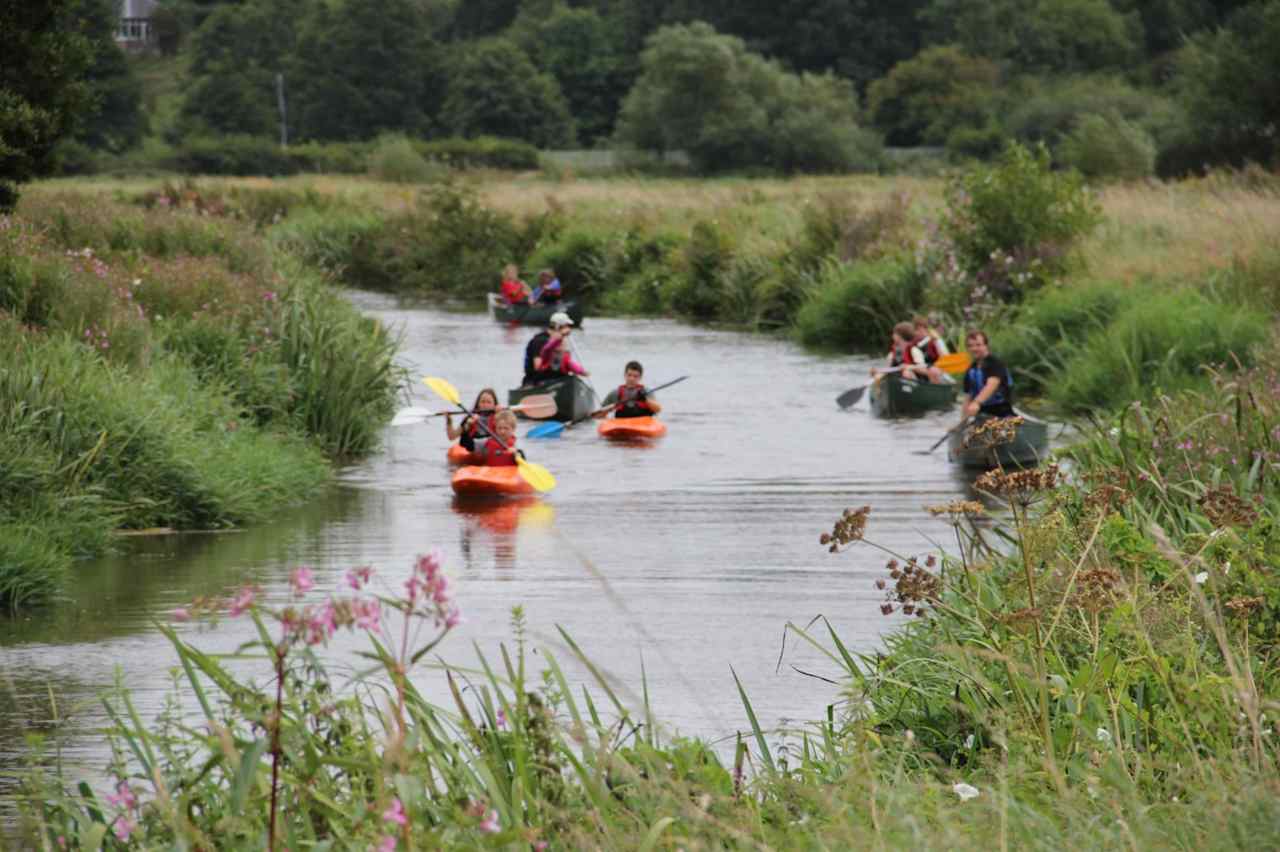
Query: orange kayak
631 428
458 454
480 481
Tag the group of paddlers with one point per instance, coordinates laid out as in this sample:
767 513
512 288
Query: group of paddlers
916 348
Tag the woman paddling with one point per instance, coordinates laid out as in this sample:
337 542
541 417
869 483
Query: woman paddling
479 424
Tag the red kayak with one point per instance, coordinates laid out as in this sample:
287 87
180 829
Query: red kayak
479 481
632 428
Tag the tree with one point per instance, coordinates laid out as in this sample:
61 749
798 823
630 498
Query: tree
115 121
1229 83
921 101
43 93
365 67
494 90
705 93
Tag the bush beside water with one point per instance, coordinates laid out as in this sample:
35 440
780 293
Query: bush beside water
167 369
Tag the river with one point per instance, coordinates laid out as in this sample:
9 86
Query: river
687 557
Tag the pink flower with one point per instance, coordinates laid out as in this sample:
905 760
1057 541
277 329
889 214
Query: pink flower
123 827
123 797
241 602
181 614
453 619
368 614
395 813
358 578
269 296
540 846
502 718
490 823
428 566
302 580
387 844
321 623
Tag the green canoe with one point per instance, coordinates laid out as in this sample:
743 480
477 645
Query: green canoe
531 314
574 398
1029 447
893 396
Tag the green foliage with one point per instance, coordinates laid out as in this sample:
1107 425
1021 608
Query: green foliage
706 94
43 90
1048 109
495 90
853 306
1107 146
233 155
695 290
394 158
481 152
1017 206
116 120
924 99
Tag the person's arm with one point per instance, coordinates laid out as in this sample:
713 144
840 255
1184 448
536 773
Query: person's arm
449 430
984 393
652 404
607 406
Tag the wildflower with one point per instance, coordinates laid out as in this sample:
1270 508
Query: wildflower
358 578
501 718
123 797
848 529
993 432
123 827
321 624
965 791
181 614
387 844
395 813
1201 578
302 580
969 741
241 602
489 825
368 614
1102 735
1018 486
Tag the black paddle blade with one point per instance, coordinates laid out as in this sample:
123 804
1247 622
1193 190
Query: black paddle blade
851 396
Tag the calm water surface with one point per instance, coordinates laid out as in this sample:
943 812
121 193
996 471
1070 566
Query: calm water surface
687 557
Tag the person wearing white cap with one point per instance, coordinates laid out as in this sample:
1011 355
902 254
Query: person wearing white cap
555 357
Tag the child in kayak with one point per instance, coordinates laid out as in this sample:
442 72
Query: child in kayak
555 356
498 450
630 398
514 291
478 424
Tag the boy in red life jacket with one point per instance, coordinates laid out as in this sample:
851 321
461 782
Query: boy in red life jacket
931 344
630 398
514 291
478 424
905 356
555 356
498 450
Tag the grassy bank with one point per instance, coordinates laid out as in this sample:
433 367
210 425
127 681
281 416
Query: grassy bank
1107 681
166 369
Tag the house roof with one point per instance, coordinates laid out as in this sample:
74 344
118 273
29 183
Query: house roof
137 8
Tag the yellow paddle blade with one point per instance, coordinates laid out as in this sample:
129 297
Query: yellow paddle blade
443 389
955 363
536 475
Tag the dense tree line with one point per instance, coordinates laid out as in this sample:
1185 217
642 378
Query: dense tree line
1112 86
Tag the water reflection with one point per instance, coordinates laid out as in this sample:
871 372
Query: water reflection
495 523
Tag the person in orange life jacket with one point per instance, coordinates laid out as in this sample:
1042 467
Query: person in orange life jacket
905 354
513 290
555 356
548 290
478 424
931 344
499 449
630 398
987 382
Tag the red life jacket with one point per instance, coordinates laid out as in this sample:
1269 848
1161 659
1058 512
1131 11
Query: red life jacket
629 402
492 454
928 346
479 421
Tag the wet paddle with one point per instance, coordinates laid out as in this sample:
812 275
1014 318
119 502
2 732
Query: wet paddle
534 474
949 433
554 430
954 363
537 406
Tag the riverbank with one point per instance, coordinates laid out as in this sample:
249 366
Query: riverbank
166 370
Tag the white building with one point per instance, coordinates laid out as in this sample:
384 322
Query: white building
134 32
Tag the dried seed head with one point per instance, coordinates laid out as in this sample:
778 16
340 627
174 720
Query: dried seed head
1019 486
993 432
848 529
1244 607
1104 498
958 509
1224 508
1096 589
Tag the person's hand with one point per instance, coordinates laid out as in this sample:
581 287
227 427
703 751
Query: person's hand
970 408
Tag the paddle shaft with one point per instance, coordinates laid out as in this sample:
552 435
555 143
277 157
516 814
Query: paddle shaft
614 405
949 433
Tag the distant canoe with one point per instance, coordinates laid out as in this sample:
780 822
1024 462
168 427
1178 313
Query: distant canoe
538 314
631 428
1029 447
894 396
574 398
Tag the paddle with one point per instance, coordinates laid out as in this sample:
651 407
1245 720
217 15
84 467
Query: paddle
954 363
956 428
537 406
534 474
553 430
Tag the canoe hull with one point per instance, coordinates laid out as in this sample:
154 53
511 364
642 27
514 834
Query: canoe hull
1029 447
574 398
632 428
500 311
893 396
480 481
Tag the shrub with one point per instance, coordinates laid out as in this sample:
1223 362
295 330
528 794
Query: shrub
1107 146
1017 207
580 256
853 306
233 155
487 152
694 292
1163 341
395 159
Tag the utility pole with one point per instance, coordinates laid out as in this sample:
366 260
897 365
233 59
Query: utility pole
284 123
